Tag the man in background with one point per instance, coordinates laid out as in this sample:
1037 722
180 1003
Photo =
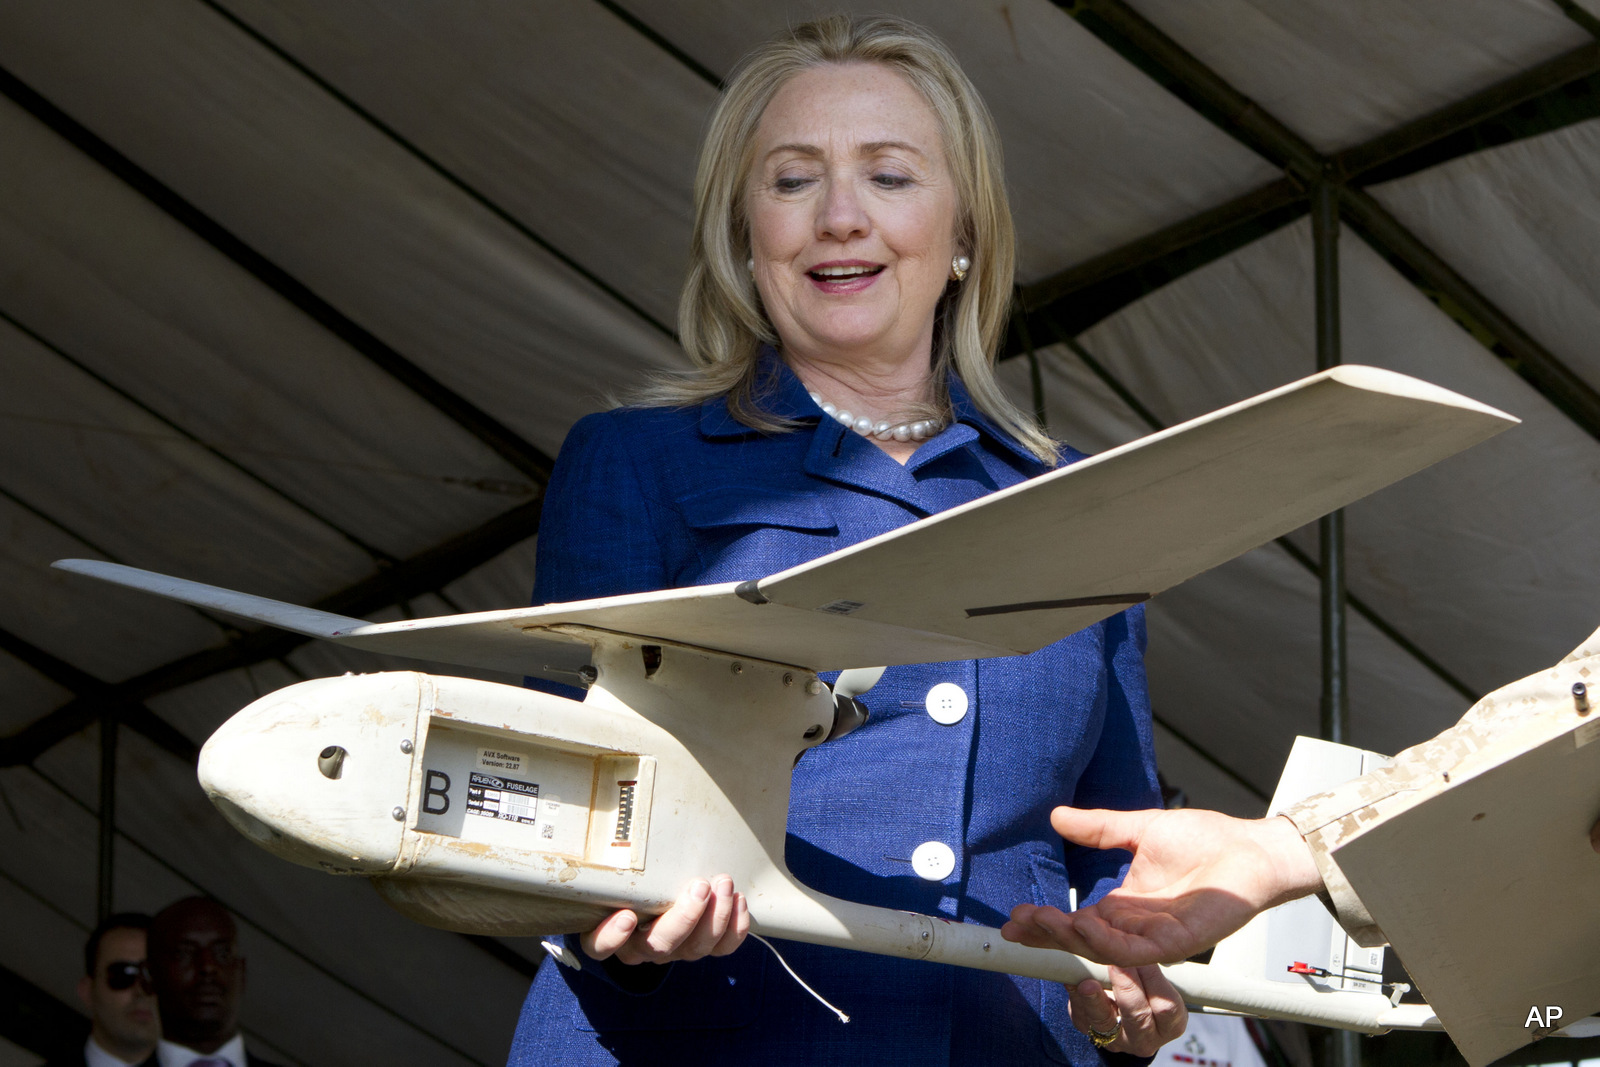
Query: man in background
198 974
115 988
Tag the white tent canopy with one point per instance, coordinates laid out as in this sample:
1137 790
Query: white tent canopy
299 297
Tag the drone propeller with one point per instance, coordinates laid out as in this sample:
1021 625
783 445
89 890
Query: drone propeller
857 680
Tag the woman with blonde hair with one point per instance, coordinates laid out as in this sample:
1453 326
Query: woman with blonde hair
849 283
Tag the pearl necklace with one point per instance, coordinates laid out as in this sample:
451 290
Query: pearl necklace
920 430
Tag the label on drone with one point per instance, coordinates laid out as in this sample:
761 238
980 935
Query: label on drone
842 607
494 797
497 762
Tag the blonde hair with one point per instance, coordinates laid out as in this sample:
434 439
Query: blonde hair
720 321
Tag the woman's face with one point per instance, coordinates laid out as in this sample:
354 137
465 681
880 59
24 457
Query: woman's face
852 214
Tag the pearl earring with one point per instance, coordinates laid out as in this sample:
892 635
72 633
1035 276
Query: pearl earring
751 266
959 267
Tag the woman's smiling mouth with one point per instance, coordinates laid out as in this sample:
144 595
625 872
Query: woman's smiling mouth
844 276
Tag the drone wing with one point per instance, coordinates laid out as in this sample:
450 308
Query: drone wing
475 640
1068 548
1080 543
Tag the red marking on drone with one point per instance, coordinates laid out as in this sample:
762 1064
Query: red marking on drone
1305 968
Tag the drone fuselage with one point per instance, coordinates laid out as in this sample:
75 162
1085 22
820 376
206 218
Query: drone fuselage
496 809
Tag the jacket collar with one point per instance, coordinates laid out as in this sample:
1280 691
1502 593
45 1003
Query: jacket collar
966 412
780 392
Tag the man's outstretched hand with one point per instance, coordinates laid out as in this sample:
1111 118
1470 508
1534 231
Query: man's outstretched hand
1197 876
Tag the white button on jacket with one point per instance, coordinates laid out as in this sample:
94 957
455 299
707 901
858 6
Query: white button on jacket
933 860
947 703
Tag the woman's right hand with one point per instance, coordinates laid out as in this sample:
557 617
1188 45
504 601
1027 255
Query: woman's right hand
708 919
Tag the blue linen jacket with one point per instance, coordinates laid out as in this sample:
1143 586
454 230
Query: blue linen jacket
645 499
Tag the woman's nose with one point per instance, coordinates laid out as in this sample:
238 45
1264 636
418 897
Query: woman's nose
841 215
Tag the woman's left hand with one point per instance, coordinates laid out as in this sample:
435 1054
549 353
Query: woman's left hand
1141 1008
709 919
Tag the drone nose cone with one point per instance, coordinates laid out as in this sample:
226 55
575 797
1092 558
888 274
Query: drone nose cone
319 772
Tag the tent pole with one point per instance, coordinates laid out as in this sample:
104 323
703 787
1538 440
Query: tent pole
1344 1046
108 815
1325 246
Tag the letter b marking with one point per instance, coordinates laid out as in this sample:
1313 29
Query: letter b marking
430 790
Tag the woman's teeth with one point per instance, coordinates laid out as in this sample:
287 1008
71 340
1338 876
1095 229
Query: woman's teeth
842 272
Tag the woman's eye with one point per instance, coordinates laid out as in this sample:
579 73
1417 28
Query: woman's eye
891 181
791 185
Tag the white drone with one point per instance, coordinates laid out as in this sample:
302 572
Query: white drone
496 809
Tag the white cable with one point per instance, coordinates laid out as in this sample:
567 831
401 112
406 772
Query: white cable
561 954
842 1016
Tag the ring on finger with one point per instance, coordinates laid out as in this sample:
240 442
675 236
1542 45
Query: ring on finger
1102 1038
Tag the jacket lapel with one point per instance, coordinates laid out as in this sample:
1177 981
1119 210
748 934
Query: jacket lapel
844 457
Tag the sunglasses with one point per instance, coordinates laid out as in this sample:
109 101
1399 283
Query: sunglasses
122 974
